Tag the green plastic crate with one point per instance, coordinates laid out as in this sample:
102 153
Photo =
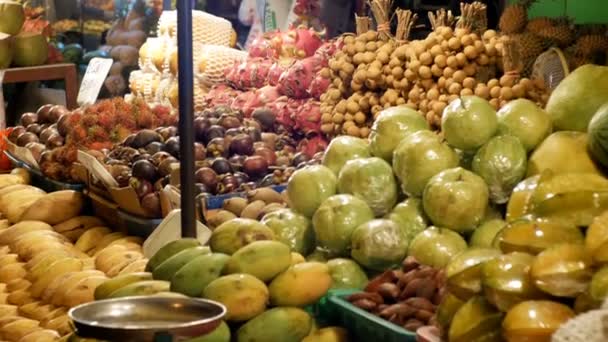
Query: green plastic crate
362 326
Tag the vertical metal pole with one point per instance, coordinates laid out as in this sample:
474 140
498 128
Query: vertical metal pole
186 116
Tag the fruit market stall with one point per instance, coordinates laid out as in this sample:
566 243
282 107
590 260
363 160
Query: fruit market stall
360 188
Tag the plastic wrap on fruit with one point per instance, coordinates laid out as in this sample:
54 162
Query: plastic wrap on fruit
292 229
378 244
347 274
391 126
309 187
372 180
342 149
335 221
410 217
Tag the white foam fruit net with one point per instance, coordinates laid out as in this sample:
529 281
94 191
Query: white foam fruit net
213 61
591 326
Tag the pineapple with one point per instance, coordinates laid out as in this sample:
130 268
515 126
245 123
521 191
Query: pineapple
530 47
537 24
589 44
515 17
560 34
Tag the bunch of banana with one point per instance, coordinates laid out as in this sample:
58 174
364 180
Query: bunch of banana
17 176
21 202
254 205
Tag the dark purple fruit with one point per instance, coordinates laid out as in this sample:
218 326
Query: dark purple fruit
242 144
26 138
151 204
241 177
217 148
269 155
15 133
43 113
63 126
206 176
56 112
200 188
128 140
201 125
229 121
237 161
213 132
145 137
144 169
155 146
255 167
228 184
254 133
54 141
265 117
167 132
200 153
221 166
159 157
141 186
172 146
165 167
233 132
28 119
34 128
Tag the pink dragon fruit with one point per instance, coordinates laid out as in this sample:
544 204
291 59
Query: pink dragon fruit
319 86
308 118
263 97
262 47
220 95
329 49
285 109
312 145
242 100
277 69
308 40
249 74
296 80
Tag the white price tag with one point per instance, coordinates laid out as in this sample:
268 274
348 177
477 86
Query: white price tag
96 169
2 110
93 80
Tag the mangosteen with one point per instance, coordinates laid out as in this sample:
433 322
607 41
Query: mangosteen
242 144
151 204
233 132
155 146
34 128
46 133
229 121
144 169
241 177
54 140
237 161
299 158
141 186
145 137
26 138
255 167
43 113
207 177
168 132
201 125
254 133
230 183
15 133
213 132
28 119
128 140
63 126
265 117
121 173
221 166
166 166
200 153
158 157
56 112
172 146
268 154
217 148
200 188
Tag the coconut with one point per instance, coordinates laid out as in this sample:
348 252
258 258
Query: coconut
30 49
12 17
5 51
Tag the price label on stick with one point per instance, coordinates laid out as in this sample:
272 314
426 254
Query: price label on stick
93 80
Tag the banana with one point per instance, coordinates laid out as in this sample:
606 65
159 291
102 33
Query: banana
12 271
56 269
12 188
89 264
55 207
52 253
23 242
9 234
169 250
18 284
40 269
127 246
121 258
105 241
142 288
44 335
23 173
4 250
15 204
91 237
11 180
83 291
134 267
74 234
38 311
20 297
3 287
104 290
14 331
4 224
7 310
78 222
9 259
56 295
53 314
128 240
109 252
61 324
4 298
8 319
32 250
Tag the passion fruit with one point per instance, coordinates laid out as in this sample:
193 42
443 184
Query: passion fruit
476 320
144 169
464 271
563 270
506 280
255 167
26 138
207 177
242 144
34 128
43 113
535 235
535 320
15 133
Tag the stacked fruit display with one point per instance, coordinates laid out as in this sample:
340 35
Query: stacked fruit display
51 259
255 205
19 48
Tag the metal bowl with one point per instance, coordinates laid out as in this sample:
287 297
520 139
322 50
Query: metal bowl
145 318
